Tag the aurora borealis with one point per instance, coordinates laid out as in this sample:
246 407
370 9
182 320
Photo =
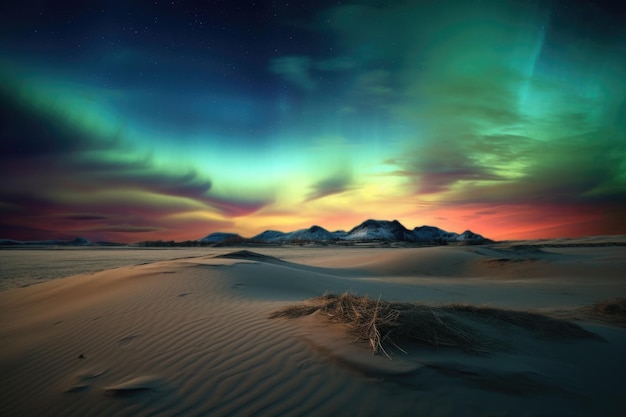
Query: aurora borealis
131 121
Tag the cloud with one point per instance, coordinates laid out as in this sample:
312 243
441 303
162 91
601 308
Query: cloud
374 89
329 186
568 170
25 133
120 228
236 207
60 180
83 217
336 64
437 167
140 174
296 70
494 109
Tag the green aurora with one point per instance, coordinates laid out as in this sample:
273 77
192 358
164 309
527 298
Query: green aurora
168 121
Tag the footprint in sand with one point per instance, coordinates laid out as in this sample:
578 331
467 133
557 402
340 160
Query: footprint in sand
305 364
135 386
125 341
81 381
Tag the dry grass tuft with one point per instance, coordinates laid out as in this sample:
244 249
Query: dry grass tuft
379 322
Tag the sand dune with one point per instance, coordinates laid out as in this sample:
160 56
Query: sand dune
193 336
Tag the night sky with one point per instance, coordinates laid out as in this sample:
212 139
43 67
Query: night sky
129 121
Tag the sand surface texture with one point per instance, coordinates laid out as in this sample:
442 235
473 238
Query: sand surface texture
193 337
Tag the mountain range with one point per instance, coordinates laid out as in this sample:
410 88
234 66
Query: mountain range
368 231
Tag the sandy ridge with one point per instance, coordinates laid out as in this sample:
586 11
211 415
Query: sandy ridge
192 337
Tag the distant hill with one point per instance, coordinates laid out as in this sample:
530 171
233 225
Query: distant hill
79 241
219 237
312 234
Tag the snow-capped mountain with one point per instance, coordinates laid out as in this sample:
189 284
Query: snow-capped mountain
435 234
380 230
340 235
312 234
469 236
431 233
269 236
368 231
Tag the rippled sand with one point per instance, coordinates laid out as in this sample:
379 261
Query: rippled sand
192 336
